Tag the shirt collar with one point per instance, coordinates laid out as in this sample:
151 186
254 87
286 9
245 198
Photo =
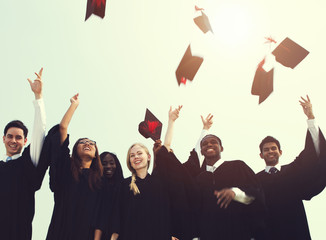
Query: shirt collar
13 157
277 166
215 166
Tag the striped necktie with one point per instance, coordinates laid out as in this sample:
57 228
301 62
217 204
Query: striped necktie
273 170
8 159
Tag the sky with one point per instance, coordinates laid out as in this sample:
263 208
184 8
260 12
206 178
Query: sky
126 62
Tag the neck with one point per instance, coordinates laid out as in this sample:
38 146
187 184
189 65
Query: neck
142 173
212 161
86 163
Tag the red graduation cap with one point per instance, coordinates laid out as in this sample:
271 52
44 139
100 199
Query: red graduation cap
289 54
188 67
263 82
202 21
96 7
150 127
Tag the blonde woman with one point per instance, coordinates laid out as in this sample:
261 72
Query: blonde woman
146 207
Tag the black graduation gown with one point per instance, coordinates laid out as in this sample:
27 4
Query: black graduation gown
160 210
75 204
238 221
285 190
19 179
108 201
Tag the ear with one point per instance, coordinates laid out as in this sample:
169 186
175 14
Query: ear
261 155
3 139
25 141
280 152
221 148
149 157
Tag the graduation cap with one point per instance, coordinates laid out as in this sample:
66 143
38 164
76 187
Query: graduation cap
150 127
263 82
289 54
188 67
202 21
96 7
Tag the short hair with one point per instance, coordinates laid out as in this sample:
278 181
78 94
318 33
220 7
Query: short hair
211 135
269 139
16 124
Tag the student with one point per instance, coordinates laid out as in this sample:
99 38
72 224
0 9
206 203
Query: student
286 186
20 175
113 178
230 201
145 210
76 183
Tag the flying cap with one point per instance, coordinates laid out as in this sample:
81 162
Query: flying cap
150 127
96 7
263 82
188 67
289 54
202 21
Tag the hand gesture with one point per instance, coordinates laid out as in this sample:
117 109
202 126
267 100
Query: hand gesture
207 122
173 115
307 107
225 196
75 100
37 84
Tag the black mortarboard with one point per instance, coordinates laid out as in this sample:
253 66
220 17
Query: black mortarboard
289 53
263 82
188 67
150 127
203 23
96 7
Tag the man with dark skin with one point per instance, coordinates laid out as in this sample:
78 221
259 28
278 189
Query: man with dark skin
227 193
286 186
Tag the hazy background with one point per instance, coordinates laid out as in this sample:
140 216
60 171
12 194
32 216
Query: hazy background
126 63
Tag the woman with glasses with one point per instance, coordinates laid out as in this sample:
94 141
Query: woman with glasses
76 183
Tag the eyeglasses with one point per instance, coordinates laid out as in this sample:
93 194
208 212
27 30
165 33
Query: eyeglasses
89 142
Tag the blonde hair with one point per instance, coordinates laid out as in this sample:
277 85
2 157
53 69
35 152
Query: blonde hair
133 185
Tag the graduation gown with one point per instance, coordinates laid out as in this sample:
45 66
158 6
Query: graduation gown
154 213
284 191
19 179
76 206
238 221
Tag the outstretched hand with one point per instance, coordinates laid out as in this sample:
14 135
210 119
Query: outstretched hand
173 115
307 107
75 100
37 84
207 122
224 196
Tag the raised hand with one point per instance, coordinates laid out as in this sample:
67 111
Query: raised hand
173 115
37 84
207 122
307 107
75 100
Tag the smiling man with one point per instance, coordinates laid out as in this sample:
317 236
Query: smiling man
286 186
228 196
20 175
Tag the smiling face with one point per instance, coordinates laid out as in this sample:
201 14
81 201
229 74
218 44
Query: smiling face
139 158
109 166
86 148
270 153
211 149
14 141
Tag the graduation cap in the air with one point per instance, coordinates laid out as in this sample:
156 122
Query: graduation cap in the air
96 7
202 21
263 82
289 54
150 127
188 67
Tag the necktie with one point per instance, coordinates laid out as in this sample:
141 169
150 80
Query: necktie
8 159
273 170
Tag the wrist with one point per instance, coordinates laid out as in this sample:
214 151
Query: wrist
38 95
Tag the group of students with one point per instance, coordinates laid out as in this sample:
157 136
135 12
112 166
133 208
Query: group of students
205 198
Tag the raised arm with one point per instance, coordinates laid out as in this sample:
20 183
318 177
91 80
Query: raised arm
74 102
312 127
38 133
173 115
